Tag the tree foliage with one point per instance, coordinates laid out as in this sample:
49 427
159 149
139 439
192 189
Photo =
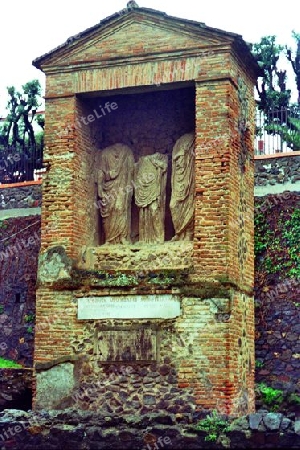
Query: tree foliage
281 117
272 91
17 130
21 145
295 61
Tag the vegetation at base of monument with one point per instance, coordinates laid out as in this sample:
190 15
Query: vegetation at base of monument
29 318
294 398
274 95
259 364
271 397
277 242
277 399
214 425
6 363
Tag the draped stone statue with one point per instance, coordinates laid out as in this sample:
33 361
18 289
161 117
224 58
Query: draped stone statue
114 177
150 196
183 183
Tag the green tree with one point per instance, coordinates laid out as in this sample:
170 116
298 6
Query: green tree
17 130
295 61
280 116
272 90
20 144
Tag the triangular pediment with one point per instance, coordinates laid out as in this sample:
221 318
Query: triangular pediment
133 39
134 35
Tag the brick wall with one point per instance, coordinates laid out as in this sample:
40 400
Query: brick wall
58 191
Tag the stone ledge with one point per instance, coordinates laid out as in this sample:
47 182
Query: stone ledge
19 212
21 184
276 155
138 257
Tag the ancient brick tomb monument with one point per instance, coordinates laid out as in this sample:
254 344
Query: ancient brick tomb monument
144 298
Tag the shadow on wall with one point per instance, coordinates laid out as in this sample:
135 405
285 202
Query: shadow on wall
19 248
15 389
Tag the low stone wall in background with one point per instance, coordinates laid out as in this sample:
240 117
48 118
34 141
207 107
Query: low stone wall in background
277 341
72 430
21 196
19 247
278 170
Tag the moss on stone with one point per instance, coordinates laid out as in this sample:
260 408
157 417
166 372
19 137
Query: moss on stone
207 290
94 278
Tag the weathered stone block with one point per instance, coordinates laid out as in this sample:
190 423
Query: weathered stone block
54 384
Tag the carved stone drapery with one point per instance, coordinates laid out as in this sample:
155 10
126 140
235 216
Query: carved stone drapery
183 183
118 178
150 196
114 177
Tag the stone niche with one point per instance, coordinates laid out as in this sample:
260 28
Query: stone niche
149 124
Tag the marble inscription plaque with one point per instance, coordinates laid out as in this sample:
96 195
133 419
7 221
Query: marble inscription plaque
129 307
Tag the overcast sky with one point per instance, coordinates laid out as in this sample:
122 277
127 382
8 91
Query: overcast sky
31 28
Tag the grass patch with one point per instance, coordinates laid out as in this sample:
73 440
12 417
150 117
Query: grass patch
8 364
273 398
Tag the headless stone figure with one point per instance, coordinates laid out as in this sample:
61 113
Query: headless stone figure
183 184
150 196
115 176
